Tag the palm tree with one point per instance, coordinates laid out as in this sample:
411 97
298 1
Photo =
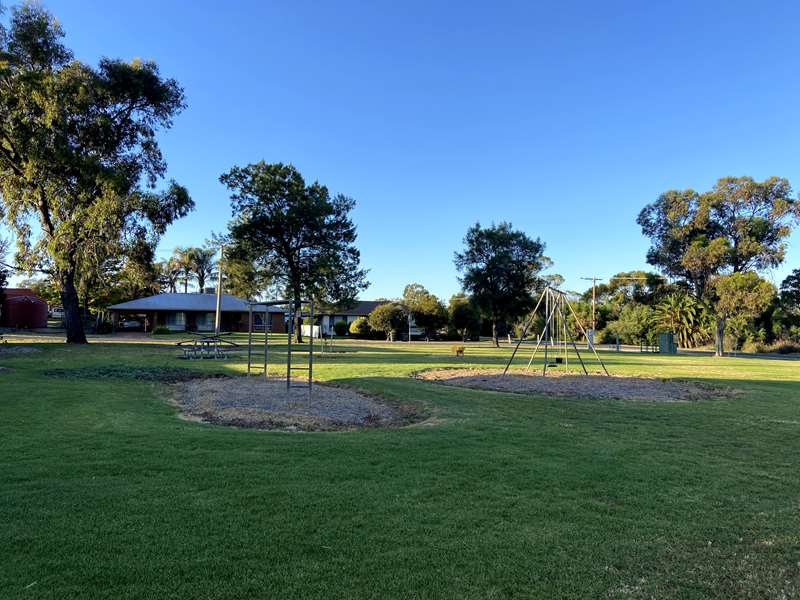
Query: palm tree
684 316
182 258
202 265
169 274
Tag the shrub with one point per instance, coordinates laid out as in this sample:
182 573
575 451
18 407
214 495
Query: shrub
160 330
786 347
340 328
360 328
755 347
104 327
388 318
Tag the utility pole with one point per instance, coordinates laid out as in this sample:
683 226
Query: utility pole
593 279
218 314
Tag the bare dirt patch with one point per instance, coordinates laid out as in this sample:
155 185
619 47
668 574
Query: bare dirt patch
255 403
585 386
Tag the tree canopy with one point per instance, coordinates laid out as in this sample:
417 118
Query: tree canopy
740 225
428 312
79 159
300 234
388 318
500 267
465 318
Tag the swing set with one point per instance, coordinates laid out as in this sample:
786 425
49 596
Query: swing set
555 336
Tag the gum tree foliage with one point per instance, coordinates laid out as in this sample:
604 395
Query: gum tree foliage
465 318
742 295
388 318
740 225
428 312
5 274
634 325
790 291
79 160
500 268
300 234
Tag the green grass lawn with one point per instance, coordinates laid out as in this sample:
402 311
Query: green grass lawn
105 493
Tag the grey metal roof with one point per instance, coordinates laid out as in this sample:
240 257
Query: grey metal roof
188 302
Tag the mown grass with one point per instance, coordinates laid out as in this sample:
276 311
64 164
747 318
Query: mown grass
104 493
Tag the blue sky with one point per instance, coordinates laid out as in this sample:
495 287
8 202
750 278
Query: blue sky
564 118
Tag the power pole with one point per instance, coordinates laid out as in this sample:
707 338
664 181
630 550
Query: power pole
593 279
218 314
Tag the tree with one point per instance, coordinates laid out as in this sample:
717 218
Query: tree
79 158
428 312
182 262
742 296
169 272
360 328
242 277
4 272
388 318
740 225
683 315
634 325
300 234
790 291
500 268
202 265
465 318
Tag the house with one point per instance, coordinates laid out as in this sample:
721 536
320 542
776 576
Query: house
328 315
195 312
21 308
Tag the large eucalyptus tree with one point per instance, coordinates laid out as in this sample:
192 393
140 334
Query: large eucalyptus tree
79 160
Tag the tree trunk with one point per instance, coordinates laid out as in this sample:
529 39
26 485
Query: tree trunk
494 334
298 328
72 309
719 337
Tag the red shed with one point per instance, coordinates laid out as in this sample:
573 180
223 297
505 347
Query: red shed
22 309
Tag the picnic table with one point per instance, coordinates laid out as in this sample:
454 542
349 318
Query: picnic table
210 346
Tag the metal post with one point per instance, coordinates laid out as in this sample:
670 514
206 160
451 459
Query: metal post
289 346
528 323
218 313
311 347
266 342
249 336
583 331
546 335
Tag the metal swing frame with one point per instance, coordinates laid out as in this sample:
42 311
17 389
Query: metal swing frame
294 310
555 332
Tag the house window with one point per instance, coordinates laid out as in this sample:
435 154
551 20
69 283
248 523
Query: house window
175 320
205 321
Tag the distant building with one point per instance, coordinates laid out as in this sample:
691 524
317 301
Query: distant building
194 312
328 315
21 308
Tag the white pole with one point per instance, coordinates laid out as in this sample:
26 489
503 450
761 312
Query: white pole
218 315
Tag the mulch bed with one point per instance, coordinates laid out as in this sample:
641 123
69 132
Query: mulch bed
253 402
584 386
